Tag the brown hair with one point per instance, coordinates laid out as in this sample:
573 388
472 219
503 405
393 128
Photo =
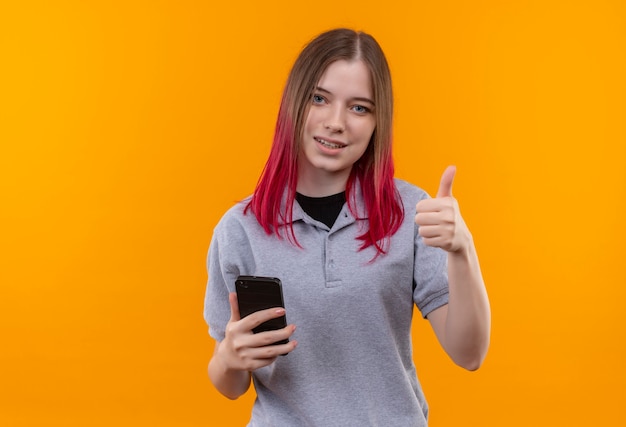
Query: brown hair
373 171
313 61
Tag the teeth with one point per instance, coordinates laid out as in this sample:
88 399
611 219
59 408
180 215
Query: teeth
328 144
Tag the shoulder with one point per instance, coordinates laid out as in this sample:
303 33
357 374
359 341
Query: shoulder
236 220
235 212
409 193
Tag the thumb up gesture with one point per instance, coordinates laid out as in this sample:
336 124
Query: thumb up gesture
439 219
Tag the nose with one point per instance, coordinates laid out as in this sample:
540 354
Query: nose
336 120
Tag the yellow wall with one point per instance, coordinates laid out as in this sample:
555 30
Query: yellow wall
128 128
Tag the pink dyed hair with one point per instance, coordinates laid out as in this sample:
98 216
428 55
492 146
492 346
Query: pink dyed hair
273 198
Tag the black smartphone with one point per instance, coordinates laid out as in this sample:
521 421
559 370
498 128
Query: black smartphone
256 293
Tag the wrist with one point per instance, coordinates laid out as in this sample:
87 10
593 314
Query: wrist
465 246
221 360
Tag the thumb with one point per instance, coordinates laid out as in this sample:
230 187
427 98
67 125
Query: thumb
445 186
234 307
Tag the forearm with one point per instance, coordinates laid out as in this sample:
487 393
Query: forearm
231 383
468 321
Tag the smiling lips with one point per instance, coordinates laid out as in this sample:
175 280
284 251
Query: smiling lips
330 144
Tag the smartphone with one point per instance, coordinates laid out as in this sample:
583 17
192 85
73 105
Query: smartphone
256 293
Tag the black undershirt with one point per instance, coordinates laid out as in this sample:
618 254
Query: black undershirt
322 209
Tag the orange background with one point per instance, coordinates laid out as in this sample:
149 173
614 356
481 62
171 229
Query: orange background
128 128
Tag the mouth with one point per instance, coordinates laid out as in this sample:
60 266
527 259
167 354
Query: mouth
329 144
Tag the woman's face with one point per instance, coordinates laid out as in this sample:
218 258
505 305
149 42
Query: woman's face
338 128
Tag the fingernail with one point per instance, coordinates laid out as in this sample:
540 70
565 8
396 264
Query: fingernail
280 311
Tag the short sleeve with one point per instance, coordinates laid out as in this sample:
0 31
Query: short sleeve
229 256
430 276
216 306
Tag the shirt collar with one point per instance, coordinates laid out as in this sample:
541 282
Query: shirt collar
298 213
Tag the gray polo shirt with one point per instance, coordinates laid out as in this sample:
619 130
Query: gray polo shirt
353 365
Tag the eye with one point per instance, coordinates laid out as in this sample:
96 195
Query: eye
360 109
318 99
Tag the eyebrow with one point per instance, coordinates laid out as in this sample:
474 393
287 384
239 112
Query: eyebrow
356 98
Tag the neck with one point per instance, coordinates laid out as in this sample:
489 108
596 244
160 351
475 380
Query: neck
322 184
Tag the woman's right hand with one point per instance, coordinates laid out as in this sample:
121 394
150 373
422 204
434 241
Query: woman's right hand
243 350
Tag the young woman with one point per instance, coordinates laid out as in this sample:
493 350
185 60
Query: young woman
355 249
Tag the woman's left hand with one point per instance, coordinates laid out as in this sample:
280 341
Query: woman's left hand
439 219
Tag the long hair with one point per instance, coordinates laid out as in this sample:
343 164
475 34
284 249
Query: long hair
273 198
